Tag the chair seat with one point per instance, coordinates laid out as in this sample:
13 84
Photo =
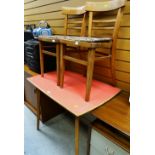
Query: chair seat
54 38
86 39
87 42
76 41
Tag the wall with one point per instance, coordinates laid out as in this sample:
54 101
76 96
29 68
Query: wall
50 10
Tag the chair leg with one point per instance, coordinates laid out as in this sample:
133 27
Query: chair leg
41 59
90 69
61 65
58 63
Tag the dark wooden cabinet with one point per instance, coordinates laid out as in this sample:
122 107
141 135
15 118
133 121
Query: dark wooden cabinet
49 108
30 92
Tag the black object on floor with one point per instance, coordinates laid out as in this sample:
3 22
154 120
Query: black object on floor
28 35
32 58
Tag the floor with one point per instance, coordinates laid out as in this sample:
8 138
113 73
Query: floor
56 137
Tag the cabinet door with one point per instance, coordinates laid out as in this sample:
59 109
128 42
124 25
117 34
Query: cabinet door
104 145
29 91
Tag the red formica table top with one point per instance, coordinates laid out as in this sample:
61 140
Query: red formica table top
72 95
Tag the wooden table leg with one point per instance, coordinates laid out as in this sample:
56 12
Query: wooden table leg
77 135
41 59
61 65
38 108
90 69
58 63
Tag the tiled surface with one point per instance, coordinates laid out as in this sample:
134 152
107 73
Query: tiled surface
56 137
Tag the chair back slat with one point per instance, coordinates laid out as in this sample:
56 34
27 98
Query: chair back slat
74 20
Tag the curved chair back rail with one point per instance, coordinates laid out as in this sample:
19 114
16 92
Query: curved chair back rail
73 10
104 6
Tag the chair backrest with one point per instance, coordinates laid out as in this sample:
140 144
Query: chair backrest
104 17
75 20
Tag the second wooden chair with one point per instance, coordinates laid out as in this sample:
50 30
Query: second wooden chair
70 13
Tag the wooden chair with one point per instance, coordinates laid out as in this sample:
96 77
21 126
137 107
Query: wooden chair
69 23
107 25
92 8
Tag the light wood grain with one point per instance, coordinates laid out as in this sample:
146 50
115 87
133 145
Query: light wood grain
54 7
127 7
122 66
40 3
124 33
104 75
28 1
123 55
103 71
116 113
125 86
125 20
46 16
123 44
122 76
